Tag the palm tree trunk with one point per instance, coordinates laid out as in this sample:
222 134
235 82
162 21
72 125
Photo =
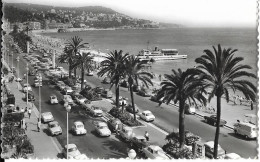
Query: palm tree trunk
117 92
70 70
82 76
132 98
181 123
218 127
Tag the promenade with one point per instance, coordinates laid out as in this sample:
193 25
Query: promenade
44 146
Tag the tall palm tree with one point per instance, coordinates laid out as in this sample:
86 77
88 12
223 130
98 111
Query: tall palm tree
135 73
181 87
223 72
85 62
114 66
73 46
68 57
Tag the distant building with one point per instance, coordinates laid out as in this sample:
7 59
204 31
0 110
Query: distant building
35 25
53 10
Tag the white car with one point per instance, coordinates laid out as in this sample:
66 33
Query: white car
78 128
155 152
47 117
73 152
26 87
53 99
90 73
80 99
54 128
95 111
68 99
230 156
147 116
67 90
37 84
102 128
18 79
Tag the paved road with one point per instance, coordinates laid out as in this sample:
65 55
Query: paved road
166 117
90 144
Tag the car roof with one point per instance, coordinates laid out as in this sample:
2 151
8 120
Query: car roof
66 96
140 137
147 111
70 146
210 144
47 113
78 122
155 147
54 122
247 124
101 123
233 155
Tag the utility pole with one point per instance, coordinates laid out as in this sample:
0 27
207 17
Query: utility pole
27 69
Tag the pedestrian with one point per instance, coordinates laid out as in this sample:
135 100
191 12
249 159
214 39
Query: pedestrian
116 128
26 110
241 100
146 135
24 76
29 112
17 108
160 77
39 125
25 128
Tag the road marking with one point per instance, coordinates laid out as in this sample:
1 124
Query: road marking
159 129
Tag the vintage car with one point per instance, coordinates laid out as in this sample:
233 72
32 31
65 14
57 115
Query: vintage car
30 97
78 128
147 116
67 90
155 152
230 156
95 111
209 150
53 99
102 128
61 85
47 117
54 128
107 93
129 108
126 133
112 124
213 120
80 99
73 152
138 143
106 80
68 99
27 87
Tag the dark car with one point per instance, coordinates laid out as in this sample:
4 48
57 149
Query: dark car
129 108
30 97
213 120
138 143
112 124
107 80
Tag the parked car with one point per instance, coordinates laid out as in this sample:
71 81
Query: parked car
78 128
213 120
209 150
147 116
90 73
47 117
95 111
80 99
129 108
30 97
54 128
125 84
106 80
61 85
144 92
112 124
27 87
73 152
155 152
246 129
126 133
138 143
68 99
107 93
53 99
230 156
102 128
67 90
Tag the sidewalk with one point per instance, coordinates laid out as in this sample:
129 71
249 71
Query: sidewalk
44 146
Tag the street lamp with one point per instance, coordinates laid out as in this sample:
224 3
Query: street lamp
18 59
13 59
27 69
132 154
40 83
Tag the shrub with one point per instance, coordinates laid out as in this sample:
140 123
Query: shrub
190 138
13 117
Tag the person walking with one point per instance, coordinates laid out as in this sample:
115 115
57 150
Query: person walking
24 76
116 128
25 128
252 105
25 111
39 125
146 135
29 112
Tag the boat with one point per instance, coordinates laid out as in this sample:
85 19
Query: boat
160 54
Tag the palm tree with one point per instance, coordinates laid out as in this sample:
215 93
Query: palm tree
181 87
223 72
73 46
114 66
135 73
85 62
68 57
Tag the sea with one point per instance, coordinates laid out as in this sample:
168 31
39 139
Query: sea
188 41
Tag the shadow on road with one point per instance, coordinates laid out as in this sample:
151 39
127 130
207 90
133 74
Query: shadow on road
118 149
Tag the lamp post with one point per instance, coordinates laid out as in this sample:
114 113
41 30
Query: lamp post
40 83
18 59
13 59
27 69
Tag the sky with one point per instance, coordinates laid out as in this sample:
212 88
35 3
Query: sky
190 13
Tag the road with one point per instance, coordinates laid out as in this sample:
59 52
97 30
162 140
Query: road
166 118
